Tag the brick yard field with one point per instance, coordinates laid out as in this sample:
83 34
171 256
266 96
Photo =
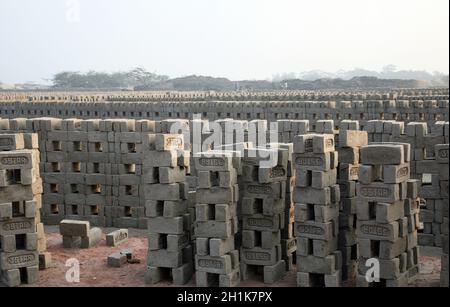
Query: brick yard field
283 188
219 146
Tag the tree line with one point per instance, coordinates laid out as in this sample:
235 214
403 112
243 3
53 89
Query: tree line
137 77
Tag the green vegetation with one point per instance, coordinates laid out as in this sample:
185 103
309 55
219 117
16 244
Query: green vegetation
137 77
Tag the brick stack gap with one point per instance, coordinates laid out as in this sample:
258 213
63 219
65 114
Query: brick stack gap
263 204
170 253
21 231
317 199
350 140
216 259
388 215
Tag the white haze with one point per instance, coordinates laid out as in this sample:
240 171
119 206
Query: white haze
236 39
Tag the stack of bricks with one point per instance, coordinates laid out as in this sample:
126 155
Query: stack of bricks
53 146
21 232
349 142
387 215
381 130
127 197
442 159
291 105
324 126
232 131
79 234
426 168
415 134
93 199
176 126
216 259
237 151
289 128
85 196
170 253
288 241
317 199
75 165
91 170
256 132
86 169
423 139
262 196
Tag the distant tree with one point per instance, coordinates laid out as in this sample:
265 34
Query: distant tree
92 79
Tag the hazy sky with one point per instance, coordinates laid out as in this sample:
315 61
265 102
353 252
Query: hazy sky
238 39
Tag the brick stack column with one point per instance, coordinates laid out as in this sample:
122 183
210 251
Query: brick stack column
86 198
170 254
289 128
288 241
100 174
216 259
21 232
425 168
349 142
263 203
317 199
442 155
53 139
126 156
388 214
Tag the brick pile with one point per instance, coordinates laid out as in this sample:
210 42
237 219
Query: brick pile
387 215
22 238
216 259
317 196
170 252
263 206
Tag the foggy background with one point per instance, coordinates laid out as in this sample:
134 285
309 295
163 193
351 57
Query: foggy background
236 39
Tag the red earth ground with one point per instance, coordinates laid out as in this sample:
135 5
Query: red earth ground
94 271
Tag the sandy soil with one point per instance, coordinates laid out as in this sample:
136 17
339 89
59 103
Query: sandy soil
95 273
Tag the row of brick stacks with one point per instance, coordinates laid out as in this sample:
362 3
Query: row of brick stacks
92 169
347 208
